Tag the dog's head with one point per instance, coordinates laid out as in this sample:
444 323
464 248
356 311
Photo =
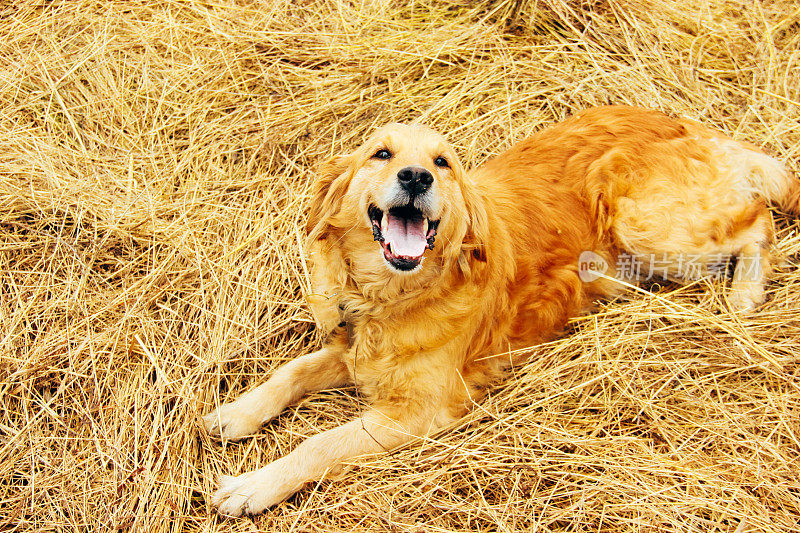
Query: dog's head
398 203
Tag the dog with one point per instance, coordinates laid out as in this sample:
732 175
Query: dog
433 277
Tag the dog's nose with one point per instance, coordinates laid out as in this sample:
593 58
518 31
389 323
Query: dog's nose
415 180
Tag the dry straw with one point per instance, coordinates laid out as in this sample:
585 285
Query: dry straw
154 167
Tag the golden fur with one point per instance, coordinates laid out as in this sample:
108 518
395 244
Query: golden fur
504 272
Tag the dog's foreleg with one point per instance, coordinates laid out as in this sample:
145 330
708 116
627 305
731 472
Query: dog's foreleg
376 431
318 370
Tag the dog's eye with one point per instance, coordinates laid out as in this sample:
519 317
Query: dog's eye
382 154
441 162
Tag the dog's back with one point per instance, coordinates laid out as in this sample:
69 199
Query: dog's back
619 180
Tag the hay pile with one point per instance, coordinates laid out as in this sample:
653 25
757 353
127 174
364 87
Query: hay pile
154 167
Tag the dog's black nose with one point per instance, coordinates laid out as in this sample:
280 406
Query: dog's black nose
415 180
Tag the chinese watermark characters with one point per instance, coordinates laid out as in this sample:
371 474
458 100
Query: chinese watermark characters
675 266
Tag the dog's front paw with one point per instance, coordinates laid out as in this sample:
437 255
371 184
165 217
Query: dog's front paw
232 420
252 492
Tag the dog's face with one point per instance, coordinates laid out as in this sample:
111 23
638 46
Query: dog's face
407 177
388 201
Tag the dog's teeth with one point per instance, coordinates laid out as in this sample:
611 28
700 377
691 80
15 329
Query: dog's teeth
384 223
425 227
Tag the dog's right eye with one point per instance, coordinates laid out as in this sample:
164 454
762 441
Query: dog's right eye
382 154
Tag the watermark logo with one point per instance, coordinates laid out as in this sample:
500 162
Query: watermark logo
591 266
673 266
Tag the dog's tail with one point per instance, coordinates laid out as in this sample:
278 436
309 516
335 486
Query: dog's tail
775 182
790 201
768 176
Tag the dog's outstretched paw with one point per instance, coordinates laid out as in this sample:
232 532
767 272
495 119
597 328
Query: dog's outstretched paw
231 421
251 493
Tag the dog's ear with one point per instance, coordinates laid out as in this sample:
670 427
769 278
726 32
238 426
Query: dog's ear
327 193
476 239
475 221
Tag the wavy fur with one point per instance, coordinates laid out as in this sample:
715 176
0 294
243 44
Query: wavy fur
504 275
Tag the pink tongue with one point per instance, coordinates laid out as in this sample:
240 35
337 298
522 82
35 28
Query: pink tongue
407 236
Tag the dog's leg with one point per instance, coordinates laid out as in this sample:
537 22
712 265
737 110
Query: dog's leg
690 205
376 431
319 370
749 277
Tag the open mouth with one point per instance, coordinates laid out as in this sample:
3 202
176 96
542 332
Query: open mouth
404 233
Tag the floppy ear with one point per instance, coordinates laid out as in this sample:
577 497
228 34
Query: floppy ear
327 193
476 237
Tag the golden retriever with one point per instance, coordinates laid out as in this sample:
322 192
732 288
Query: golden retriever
428 271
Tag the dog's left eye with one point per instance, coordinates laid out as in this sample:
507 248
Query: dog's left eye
441 162
382 154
